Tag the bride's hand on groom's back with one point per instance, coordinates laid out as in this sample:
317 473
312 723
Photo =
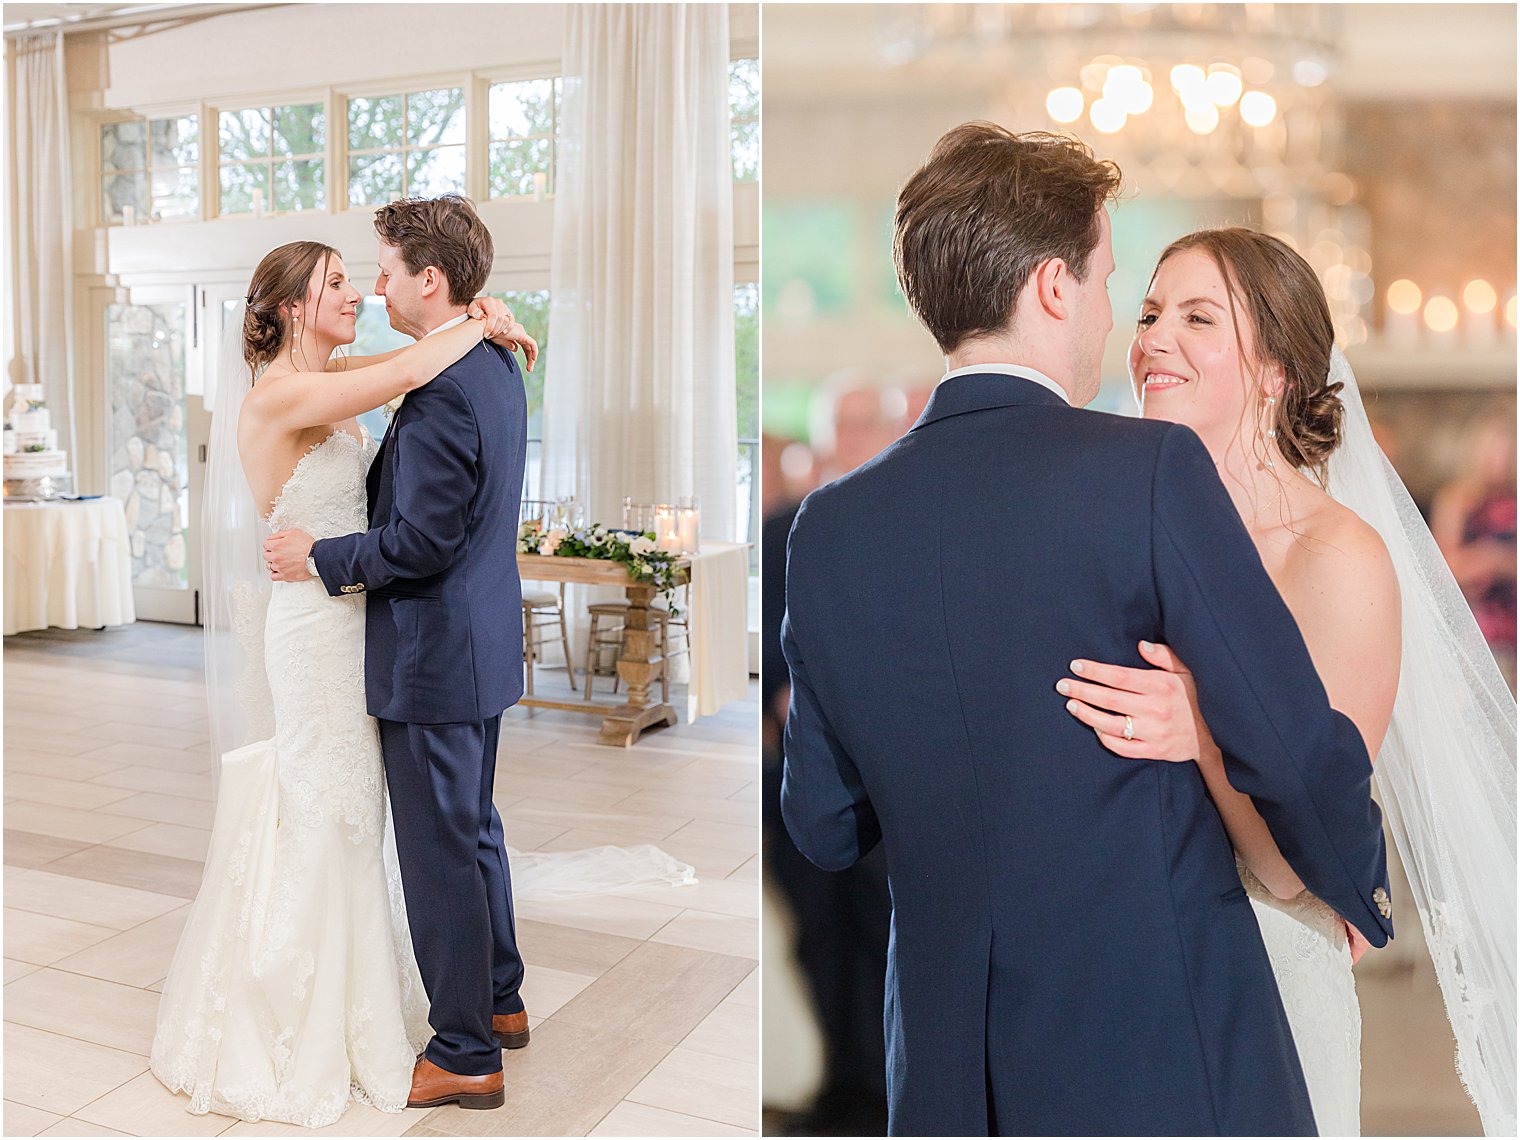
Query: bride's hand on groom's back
502 327
1144 714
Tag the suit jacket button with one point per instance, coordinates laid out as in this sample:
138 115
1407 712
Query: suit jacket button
1380 896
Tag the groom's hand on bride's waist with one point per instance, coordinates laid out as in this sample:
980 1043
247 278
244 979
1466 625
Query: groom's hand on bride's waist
285 554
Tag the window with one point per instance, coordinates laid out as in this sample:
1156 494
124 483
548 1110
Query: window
271 159
410 145
744 118
524 120
150 167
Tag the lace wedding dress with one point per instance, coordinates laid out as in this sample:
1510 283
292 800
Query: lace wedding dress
1311 960
294 988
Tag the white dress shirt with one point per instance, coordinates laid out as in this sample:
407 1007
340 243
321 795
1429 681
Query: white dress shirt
1023 371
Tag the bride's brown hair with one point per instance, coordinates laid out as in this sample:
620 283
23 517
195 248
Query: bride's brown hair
280 281
1291 322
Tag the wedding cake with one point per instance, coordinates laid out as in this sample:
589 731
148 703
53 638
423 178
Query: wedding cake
31 444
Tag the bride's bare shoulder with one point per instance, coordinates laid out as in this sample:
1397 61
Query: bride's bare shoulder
1344 570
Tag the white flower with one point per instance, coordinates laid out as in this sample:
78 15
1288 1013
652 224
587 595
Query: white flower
641 544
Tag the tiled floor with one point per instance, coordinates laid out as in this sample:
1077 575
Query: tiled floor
644 1006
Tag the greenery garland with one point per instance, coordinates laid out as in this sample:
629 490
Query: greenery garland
633 549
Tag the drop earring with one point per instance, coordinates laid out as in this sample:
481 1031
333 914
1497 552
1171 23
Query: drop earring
1271 433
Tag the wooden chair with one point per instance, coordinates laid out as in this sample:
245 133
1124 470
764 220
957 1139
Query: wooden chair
542 612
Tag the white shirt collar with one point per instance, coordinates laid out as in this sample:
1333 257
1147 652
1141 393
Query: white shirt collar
1022 371
460 319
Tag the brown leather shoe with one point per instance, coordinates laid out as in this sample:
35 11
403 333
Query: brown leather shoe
511 1029
432 1086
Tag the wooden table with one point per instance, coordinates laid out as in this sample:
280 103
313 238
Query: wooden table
639 662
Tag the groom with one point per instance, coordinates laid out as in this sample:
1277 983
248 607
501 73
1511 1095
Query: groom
443 651
1072 950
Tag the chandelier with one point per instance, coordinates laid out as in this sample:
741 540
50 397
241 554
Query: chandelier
1196 101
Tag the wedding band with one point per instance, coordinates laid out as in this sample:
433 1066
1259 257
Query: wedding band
1129 728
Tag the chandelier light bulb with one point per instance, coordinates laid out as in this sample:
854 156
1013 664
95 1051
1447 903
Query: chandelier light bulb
1065 104
1186 78
1224 84
1257 108
1509 310
1108 116
1404 297
1137 100
1201 118
1310 73
1479 296
1441 314
1119 78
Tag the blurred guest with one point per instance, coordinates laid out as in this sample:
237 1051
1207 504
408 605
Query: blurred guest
1473 520
841 918
853 419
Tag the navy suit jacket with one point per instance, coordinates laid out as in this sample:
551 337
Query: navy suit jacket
1072 951
443 639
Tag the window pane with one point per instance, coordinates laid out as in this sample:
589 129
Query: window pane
176 193
244 134
299 185
118 190
522 108
531 308
744 88
121 146
433 172
238 184
176 142
300 129
435 117
747 358
373 334
746 149
374 179
513 165
374 122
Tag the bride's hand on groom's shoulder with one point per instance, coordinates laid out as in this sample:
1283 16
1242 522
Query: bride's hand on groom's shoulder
502 328
1144 714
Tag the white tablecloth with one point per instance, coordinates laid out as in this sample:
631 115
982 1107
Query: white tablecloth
67 565
719 599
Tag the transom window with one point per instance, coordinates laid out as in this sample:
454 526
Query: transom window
524 122
149 170
272 159
405 145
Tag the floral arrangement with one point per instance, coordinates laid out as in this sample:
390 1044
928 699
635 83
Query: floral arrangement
636 551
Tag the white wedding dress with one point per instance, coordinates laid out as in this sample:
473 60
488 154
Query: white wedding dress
294 988
1311 960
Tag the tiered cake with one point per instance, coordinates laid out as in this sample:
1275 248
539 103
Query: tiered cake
31 443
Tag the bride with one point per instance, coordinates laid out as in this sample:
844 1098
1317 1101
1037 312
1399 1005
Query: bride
294 987
1235 340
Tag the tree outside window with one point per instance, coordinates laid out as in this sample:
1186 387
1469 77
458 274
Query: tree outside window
408 145
150 166
272 156
524 121
744 118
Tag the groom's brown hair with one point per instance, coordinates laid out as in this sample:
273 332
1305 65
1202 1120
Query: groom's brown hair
444 232
983 211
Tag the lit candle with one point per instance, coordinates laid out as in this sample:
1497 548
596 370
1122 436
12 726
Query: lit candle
540 184
128 216
690 539
1479 300
666 531
1401 323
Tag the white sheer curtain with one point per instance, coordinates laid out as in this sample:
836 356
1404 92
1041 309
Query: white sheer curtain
642 401
42 246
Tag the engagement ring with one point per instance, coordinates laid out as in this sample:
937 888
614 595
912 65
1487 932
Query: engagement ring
1129 728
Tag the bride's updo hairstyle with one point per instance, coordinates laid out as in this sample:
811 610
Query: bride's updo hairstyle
281 280
1291 321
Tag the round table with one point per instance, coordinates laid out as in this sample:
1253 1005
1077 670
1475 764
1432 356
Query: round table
67 565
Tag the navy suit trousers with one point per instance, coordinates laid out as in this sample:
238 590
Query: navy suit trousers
458 887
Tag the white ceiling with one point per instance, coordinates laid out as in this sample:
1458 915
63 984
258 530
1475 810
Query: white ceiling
23 17
1389 51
